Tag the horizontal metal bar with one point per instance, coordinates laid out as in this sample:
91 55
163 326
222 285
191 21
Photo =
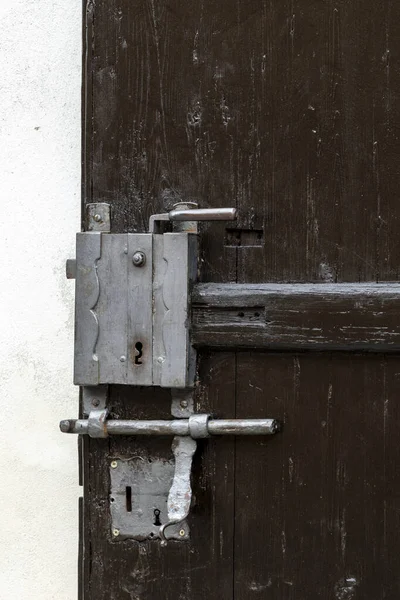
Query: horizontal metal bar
243 426
123 427
296 317
176 427
203 214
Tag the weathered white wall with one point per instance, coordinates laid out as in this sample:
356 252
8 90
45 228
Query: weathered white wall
40 67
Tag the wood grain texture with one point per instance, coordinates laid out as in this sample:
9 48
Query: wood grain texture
289 111
311 513
295 317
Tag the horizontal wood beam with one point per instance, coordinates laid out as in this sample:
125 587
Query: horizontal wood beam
296 317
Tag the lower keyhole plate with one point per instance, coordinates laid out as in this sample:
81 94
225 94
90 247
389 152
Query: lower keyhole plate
138 499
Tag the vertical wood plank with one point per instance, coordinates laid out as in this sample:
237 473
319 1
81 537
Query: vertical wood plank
311 504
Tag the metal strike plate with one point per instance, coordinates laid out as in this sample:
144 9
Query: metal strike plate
138 499
131 316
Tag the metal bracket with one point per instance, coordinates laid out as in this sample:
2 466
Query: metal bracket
98 217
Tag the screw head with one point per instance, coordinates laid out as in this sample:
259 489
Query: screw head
123 358
139 259
114 464
97 218
95 402
184 403
182 533
115 532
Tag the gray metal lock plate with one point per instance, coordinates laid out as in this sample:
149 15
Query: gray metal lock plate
138 499
131 316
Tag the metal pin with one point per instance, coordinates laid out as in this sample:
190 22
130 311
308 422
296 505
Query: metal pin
65 426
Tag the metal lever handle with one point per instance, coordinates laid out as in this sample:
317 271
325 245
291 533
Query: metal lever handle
188 211
203 214
197 426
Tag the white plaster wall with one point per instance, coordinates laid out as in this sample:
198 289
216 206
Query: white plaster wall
40 71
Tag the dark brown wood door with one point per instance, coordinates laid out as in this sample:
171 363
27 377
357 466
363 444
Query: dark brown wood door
288 110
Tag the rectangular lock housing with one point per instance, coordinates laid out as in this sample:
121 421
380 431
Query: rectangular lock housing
132 321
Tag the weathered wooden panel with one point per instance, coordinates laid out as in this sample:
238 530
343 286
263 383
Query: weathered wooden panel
349 317
288 110
315 508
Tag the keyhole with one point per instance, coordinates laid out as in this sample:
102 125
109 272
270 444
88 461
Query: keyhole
128 498
139 354
157 517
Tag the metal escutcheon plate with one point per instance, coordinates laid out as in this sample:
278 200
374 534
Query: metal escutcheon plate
138 499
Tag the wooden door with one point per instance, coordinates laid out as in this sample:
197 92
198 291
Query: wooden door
288 110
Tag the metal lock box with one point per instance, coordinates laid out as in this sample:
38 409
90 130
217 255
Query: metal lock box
132 308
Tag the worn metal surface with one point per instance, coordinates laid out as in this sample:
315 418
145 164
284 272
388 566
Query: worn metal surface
113 310
175 268
94 397
180 493
87 292
98 217
203 214
138 498
322 317
187 212
132 323
182 403
70 268
243 426
97 424
197 426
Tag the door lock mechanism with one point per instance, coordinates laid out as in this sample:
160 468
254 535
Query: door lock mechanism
185 432
132 299
132 327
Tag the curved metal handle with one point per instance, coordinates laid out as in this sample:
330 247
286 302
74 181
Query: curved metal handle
180 494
